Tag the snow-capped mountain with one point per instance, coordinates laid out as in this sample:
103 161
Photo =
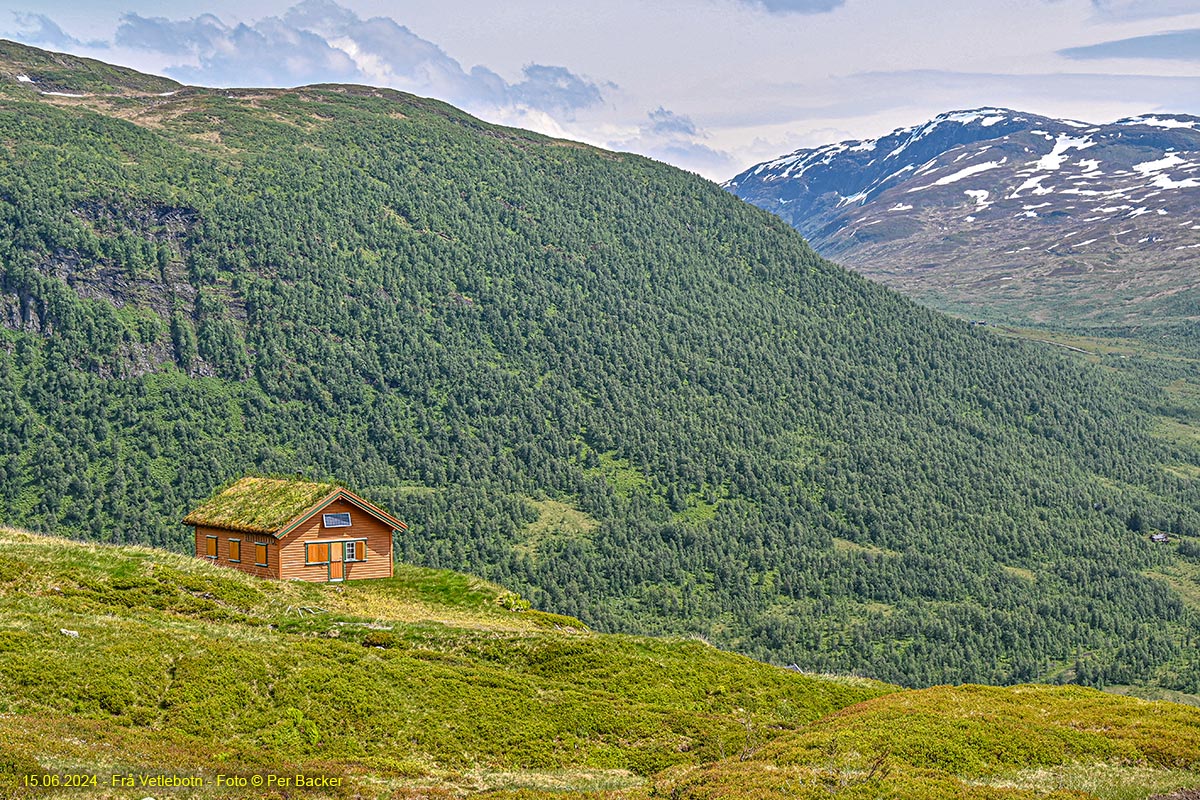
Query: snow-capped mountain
999 213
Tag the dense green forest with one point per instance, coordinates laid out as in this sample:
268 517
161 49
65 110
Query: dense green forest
472 324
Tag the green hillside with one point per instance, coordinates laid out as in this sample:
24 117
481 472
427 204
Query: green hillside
591 377
117 660
967 742
136 662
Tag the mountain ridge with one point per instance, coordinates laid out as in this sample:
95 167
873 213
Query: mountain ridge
1103 213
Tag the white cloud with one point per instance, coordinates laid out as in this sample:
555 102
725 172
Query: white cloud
675 139
319 41
42 29
702 83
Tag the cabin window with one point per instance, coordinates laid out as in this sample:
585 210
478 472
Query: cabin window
260 555
235 550
210 545
356 551
318 553
341 520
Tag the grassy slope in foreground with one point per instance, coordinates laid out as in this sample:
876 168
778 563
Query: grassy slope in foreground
184 668
968 741
198 670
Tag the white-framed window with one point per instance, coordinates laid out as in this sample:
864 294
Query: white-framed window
339 520
356 551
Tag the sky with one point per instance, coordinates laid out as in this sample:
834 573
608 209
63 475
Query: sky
712 86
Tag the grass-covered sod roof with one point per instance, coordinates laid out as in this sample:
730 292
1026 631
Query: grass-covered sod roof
259 505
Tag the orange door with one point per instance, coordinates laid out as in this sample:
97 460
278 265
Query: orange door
337 566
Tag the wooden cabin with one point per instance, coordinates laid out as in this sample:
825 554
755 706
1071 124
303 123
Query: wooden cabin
293 530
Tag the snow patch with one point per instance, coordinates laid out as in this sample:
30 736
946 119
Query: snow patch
1090 192
861 197
1055 158
980 196
1034 184
1148 168
901 207
24 79
1165 182
966 172
1159 122
928 166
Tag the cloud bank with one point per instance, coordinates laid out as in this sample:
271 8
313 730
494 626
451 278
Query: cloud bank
319 41
1173 45
40 28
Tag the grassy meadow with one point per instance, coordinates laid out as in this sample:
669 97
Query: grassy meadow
137 662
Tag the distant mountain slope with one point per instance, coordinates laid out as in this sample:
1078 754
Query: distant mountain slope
599 380
1008 215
